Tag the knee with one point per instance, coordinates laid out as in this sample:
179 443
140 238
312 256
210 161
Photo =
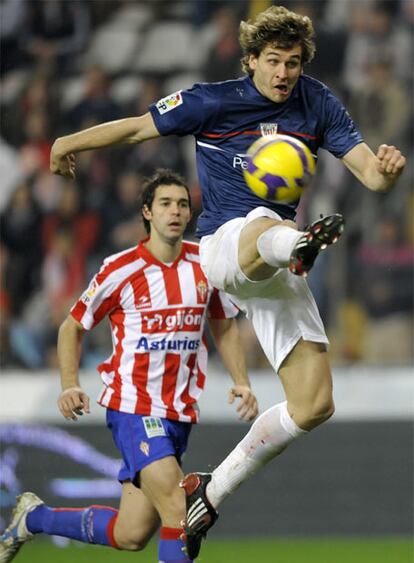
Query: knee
318 413
324 410
128 541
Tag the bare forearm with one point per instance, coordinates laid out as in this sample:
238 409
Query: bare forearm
69 350
378 172
227 339
228 344
122 131
376 181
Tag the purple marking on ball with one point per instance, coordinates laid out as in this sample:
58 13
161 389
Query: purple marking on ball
302 157
273 183
251 167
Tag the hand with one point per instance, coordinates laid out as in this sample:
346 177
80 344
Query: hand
390 161
72 402
247 407
64 165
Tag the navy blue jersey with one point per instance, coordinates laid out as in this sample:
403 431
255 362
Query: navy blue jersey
226 117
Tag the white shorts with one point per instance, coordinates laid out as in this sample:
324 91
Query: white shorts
281 308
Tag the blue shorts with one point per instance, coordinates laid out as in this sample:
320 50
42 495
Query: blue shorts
145 439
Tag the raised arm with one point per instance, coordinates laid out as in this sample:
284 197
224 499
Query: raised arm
72 400
227 339
378 172
123 131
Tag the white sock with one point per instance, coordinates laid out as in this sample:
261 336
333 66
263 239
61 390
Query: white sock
276 244
269 435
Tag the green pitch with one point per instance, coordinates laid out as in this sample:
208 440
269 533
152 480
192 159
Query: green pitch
238 551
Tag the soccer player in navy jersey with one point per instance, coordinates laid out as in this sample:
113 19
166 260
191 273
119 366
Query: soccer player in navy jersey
251 247
157 300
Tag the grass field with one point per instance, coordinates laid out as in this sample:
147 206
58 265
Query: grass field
239 551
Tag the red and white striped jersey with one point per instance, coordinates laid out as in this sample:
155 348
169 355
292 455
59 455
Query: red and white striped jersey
157 314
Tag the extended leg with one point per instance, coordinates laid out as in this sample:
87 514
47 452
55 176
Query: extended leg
129 528
306 378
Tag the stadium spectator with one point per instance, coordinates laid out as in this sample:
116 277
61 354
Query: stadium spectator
374 28
96 104
382 106
249 246
222 61
63 274
20 233
386 266
38 96
11 173
166 152
55 32
121 225
12 21
84 225
34 151
157 299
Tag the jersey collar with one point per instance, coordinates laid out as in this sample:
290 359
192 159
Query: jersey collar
143 251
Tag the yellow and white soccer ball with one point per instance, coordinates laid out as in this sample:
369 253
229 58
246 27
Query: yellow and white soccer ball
279 168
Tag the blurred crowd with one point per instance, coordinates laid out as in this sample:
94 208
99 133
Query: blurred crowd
68 65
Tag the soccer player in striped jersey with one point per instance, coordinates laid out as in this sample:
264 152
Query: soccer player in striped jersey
251 247
158 300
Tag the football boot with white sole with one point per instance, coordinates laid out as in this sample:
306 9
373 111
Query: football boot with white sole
16 534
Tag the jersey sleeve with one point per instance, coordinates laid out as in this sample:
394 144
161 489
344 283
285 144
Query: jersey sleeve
340 133
221 307
184 112
94 304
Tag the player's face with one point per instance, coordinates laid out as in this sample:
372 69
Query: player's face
276 71
170 212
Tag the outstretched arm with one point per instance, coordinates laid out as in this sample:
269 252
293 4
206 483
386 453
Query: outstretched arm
378 172
123 131
226 336
72 400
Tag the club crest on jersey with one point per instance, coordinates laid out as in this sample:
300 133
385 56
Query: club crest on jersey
144 447
90 292
202 290
268 129
153 426
170 102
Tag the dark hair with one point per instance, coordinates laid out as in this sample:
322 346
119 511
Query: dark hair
276 26
161 177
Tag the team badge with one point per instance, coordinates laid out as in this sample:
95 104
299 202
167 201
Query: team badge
144 447
90 292
153 426
170 102
202 290
268 129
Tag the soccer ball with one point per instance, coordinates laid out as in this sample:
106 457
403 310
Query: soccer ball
279 168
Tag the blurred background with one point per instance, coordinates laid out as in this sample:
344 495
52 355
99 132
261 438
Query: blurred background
67 65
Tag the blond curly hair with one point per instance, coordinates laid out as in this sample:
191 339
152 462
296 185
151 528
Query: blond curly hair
276 26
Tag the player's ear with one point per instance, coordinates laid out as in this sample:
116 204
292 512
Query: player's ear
146 212
252 62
